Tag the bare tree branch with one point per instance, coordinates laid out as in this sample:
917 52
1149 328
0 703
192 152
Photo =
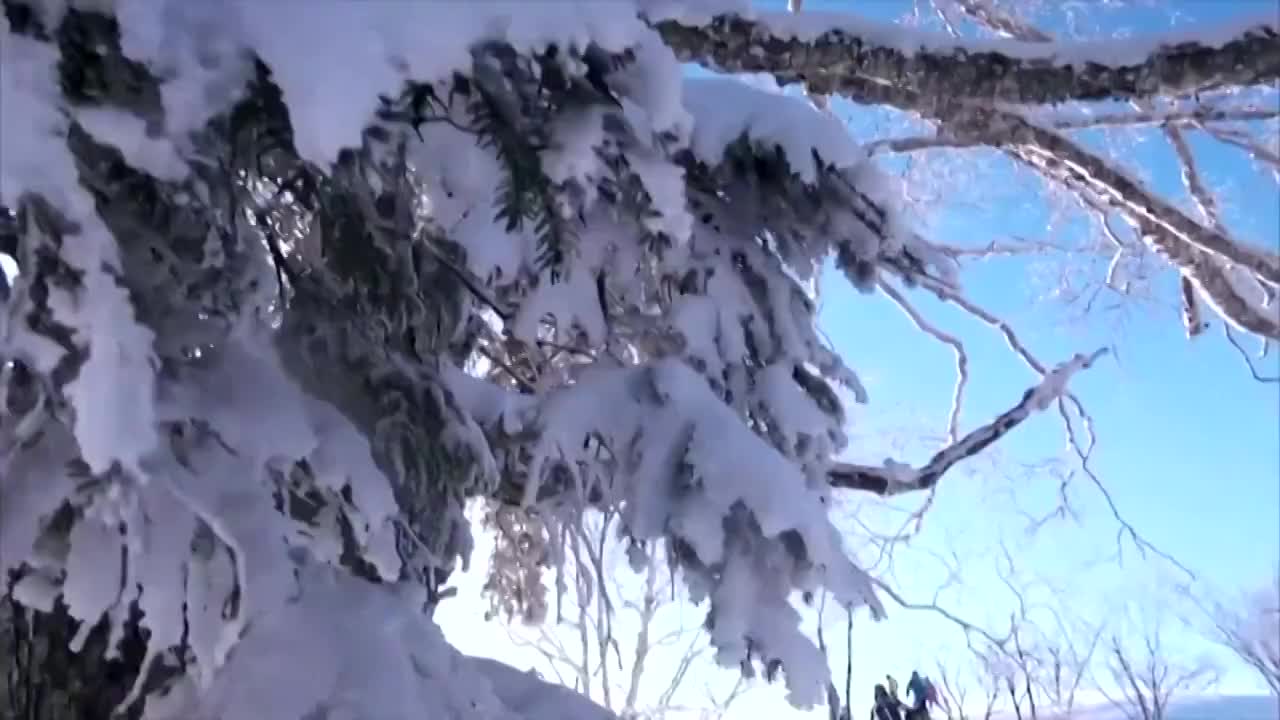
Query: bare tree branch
1055 151
968 627
643 672
894 479
1196 117
1067 659
962 358
1248 359
995 248
647 610
1250 629
1147 677
1254 149
1197 251
954 691
1208 207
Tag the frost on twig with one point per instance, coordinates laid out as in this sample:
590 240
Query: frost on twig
1203 254
957 347
895 478
984 13
1198 116
1247 358
1222 268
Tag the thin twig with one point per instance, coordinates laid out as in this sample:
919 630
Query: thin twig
1194 118
1254 149
1084 454
1248 359
933 607
962 358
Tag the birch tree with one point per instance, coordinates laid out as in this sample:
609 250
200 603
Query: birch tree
1145 676
619 634
1250 629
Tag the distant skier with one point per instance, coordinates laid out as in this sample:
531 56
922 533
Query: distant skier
886 708
893 686
922 695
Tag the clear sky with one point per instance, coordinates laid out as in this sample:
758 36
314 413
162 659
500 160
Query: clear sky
1188 443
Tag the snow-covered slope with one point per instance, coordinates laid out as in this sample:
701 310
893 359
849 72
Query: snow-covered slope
341 647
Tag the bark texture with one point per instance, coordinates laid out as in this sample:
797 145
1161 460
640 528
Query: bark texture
839 62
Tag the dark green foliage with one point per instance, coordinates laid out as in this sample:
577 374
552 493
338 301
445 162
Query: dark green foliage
93 68
42 679
366 295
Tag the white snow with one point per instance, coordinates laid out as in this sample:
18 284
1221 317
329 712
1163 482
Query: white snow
769 119
1055 381
563 301
693 12
664 181
192 48
366 647
32 493
113 393
651 86
94 581
165 546
574 138
154 155
1249 291
375 47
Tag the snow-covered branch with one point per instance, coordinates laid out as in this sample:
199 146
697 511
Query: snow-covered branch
1215 262
1203 254
894 478
1232 274
1075 121
1179 237
1252 147
835 53
986 14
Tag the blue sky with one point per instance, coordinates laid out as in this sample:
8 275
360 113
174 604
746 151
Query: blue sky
1188 442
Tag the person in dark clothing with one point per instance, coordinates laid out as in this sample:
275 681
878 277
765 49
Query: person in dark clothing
922 693
886 708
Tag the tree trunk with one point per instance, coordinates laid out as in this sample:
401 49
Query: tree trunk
42 679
